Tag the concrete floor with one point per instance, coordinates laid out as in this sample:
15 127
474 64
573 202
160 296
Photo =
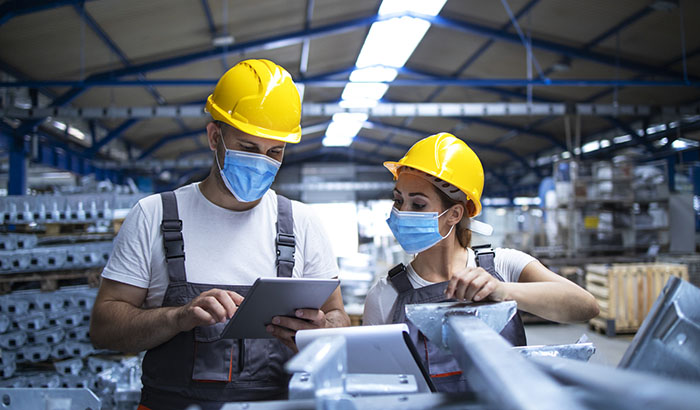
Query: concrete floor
609 351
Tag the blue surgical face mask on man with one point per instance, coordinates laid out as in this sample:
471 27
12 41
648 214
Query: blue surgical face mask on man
416 231
247 175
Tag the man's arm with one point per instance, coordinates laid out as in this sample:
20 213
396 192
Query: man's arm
119 323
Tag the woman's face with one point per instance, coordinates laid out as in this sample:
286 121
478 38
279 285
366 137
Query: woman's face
413 193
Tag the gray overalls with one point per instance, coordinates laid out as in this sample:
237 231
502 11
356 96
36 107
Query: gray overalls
198 367
442 366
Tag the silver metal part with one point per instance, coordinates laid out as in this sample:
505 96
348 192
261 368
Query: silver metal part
430 317
358 384
320 373
605 387
53 399
13 340
31 322
577 351
322 366
72 366
48 336
34 354
499 375
668 342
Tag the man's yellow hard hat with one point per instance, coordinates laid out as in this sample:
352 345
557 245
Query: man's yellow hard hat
449 158
259 98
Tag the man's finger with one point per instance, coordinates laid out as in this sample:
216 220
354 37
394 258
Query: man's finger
227 302
212 305
315 315
292 323
202 317
237 299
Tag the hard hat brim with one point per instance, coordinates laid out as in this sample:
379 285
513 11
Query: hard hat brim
394 166
220 115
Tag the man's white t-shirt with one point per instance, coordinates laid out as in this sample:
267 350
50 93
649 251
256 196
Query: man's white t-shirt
380 299
222 247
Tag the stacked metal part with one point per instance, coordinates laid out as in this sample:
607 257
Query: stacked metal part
64 209
40 329
21 254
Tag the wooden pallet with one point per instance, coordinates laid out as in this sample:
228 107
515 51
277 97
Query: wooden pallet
626 292
50 281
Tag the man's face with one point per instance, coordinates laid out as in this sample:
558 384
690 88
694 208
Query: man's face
240 141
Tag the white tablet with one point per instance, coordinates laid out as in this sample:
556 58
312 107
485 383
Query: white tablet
379 349
269 297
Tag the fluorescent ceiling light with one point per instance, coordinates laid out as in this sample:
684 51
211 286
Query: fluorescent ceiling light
605 143
566 155
375 73
358 103
388 45
76 133
656 128
679 144
428 7
343 129
591 146
526 200
622 138
359 91
59 125
391 42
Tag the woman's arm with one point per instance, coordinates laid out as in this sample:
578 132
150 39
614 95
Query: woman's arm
544 293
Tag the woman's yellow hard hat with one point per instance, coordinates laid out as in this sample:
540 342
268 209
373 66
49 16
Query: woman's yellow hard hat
259 98
449 158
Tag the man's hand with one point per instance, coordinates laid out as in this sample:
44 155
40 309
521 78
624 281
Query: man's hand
210 307
285 328
475 284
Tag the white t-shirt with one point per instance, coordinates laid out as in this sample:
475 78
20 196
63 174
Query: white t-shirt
381 297
222 247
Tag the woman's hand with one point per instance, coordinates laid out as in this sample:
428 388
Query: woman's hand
475 284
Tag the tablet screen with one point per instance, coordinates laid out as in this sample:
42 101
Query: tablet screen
271 297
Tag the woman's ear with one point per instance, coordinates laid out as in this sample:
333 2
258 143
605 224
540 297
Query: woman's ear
454 215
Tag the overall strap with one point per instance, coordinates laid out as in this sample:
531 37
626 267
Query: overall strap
398 277
285 241
485 259
174 245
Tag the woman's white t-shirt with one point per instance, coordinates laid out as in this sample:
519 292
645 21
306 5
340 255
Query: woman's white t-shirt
381 297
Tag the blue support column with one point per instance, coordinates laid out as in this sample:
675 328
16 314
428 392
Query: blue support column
17 183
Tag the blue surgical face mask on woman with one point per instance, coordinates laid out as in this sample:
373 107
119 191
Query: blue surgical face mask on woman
416 231
247 175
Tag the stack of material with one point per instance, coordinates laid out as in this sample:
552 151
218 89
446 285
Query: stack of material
626 292
24 253
691 260
41 331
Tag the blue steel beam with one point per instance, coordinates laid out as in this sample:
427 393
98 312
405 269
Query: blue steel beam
550 46
617 27
17 182
14 8
326 83
115 133
212 29
97 29
666 65
166 140
421 134
626 128
529 130
55 154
